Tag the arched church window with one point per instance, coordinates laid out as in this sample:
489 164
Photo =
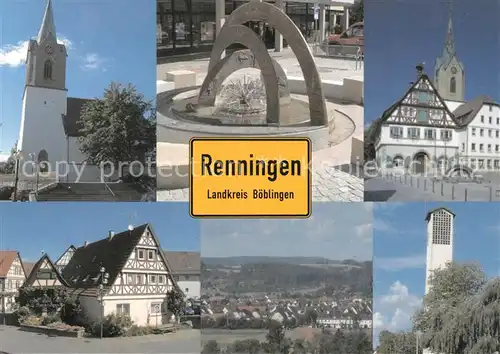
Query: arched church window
43 161
453 85
47 70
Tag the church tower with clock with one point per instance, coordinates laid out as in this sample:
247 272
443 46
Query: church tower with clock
45 96
449 72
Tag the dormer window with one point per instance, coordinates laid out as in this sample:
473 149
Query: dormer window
47 70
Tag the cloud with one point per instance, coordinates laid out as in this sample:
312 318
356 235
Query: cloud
4 157
400 263
93 61
394 310
14 55
381 225
336 231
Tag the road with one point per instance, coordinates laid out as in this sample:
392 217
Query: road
14 341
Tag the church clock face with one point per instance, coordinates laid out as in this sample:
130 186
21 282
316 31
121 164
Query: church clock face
48 49
453 70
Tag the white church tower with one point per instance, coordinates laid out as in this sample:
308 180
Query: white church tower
439 241
449 72
45 96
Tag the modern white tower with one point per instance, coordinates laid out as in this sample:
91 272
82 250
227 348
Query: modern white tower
439 241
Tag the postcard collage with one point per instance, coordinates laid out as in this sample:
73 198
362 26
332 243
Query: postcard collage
201 176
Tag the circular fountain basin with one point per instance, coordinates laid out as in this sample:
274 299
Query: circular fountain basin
178 124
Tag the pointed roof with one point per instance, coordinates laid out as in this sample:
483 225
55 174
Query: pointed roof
33 274
28 267
83 270
70 248
428 216
388 112
449 50
6 260
48 28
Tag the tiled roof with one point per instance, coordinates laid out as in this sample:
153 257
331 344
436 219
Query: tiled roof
6 260
32 276
28 267
72 121
83 270
183 262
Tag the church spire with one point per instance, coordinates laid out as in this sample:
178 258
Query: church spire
449 46
48 29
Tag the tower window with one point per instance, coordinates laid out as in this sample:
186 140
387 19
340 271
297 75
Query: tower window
47 70
441 228
453 85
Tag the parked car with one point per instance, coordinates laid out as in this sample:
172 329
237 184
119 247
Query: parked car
352 37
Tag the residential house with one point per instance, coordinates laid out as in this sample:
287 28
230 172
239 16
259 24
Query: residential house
45 274
12 277
137 273
28 267
185 268
65 258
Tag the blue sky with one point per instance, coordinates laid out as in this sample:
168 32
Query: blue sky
31 228
402 33
399 251
335 231
108 40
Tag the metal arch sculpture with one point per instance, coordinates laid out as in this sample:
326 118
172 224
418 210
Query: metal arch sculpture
244 35
263 11
237 60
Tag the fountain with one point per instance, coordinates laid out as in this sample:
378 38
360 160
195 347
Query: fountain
247 93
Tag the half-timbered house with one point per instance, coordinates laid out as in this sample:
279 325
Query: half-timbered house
64 259
12 277
136 271
417 128
433 129
45 274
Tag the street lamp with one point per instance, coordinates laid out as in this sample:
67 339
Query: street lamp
103 281
18 156
418 334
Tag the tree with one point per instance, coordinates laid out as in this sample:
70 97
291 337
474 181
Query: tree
461 311
211 347
119 127
398 343
176 303
10 164
357 12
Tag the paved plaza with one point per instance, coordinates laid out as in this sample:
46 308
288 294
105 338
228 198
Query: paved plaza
331 181
419 188
14 341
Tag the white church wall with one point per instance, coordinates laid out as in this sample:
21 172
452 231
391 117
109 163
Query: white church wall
41 124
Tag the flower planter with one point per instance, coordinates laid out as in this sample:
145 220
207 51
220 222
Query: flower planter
51 331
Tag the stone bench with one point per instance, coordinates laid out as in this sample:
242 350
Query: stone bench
331 88
172 166
353 90
163 86
182 78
